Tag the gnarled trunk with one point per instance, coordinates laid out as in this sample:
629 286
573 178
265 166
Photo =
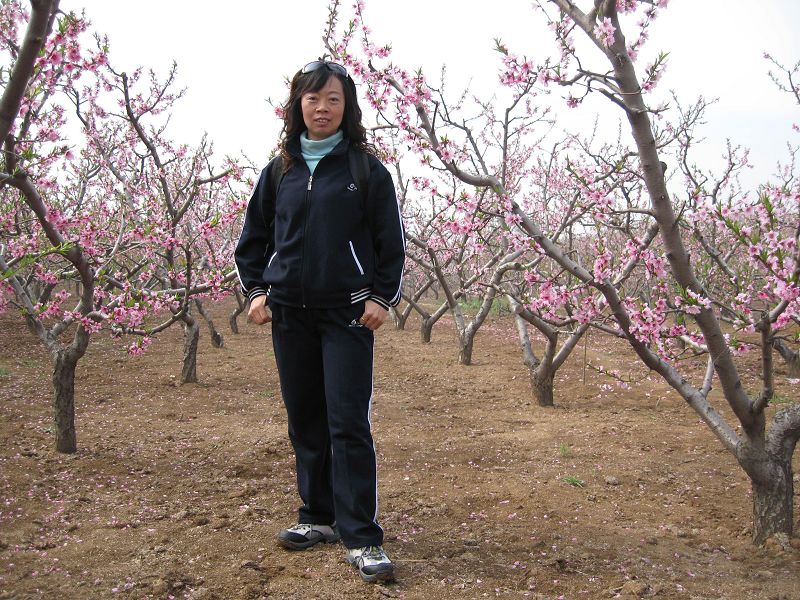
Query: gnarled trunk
233 319
792 358
399 319
773 490
428 321
542 385
216 337
772 502
191 333
64 401
465 348
768 463
425 330
794 366
467 333
542 371
234 324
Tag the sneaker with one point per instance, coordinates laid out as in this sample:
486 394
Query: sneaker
372 563
305 535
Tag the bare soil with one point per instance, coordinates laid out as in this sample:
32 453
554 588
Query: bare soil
179 491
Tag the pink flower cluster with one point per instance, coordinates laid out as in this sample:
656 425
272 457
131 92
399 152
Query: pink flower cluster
138 347
604 31
588 201
142 214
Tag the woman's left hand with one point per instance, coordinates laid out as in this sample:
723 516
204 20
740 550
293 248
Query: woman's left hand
374 315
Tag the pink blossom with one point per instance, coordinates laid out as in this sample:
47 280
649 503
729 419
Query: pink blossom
624 6
138 347
604 31
602 266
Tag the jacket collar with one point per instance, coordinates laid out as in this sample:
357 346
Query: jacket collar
294 148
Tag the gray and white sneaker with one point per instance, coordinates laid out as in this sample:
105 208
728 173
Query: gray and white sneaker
372 563
305 535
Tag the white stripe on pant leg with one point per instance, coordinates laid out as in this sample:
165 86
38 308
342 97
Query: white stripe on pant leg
369 420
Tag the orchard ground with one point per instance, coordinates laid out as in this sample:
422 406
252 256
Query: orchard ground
179 491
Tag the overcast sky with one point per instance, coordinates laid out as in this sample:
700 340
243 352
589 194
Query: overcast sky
232 56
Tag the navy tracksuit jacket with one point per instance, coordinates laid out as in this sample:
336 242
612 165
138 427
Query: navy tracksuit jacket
319 251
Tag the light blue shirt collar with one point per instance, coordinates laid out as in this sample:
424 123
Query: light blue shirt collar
315 150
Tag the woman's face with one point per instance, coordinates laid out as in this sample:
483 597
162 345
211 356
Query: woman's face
323 110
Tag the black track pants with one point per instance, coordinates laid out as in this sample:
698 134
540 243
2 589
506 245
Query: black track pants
325 366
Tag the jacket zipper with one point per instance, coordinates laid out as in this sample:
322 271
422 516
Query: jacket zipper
305 228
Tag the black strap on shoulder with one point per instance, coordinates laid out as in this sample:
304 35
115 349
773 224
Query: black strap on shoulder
275 175
357 162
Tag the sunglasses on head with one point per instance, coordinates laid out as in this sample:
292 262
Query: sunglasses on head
323 64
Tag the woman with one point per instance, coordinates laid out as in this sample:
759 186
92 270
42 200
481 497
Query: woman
323 261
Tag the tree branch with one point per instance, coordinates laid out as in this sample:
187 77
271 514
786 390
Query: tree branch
42 15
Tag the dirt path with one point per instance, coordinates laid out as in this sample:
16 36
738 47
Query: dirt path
178 491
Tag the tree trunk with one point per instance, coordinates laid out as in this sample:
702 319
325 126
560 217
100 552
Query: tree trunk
18 77
191 333
233 322
240 305
769 466
467 340
542 372
794 366
773 496
542 384
399 319
425 329
792 358
216 338
64 402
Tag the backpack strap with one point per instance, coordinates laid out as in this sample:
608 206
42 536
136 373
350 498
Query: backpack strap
276 175
358 163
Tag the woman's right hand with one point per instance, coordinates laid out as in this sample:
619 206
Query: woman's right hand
259 313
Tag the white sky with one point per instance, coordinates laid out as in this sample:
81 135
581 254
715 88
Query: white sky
233 55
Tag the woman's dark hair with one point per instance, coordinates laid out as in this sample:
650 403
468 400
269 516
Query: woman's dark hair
293 124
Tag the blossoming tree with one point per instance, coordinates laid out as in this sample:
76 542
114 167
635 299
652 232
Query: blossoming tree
180 204
569 198
36 247
679 306
84 243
